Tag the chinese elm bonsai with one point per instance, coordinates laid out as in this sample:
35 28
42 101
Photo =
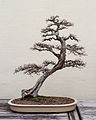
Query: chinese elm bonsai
53 33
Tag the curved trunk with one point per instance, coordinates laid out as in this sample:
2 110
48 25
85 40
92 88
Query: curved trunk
34 91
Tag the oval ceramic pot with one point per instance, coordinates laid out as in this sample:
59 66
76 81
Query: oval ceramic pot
42 108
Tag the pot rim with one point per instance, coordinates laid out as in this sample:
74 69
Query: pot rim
42 105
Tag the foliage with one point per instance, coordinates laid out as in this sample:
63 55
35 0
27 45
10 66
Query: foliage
52 33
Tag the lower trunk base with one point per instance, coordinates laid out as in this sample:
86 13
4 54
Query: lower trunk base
28 92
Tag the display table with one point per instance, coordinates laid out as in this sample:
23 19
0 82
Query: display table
87 109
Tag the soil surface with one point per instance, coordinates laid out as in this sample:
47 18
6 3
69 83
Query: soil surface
43 100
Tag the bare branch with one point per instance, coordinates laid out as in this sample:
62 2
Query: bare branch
57 55
76 50
74 63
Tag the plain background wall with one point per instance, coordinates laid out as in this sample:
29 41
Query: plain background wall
20 25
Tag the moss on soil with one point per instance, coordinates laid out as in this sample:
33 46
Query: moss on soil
45 100
39 98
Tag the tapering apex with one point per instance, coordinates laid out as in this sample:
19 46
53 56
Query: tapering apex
55 20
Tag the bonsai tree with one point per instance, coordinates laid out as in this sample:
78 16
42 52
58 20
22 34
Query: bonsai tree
53 33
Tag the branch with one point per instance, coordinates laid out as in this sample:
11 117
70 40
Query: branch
49 39
62 27
55 21
76 50
46 47
51 32
48 35
72 37
35 69
48 29
57 55
46 63
65 23
51 36
74 63
29 69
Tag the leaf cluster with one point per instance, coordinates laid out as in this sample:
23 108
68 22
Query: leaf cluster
51 33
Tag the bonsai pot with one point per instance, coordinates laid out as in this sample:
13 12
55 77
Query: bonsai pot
26 108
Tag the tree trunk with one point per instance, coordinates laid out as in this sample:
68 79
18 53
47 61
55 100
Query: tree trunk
34 91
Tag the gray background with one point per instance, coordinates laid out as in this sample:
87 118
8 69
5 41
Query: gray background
20 25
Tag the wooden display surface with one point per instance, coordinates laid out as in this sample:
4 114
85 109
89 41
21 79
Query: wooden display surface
87 109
